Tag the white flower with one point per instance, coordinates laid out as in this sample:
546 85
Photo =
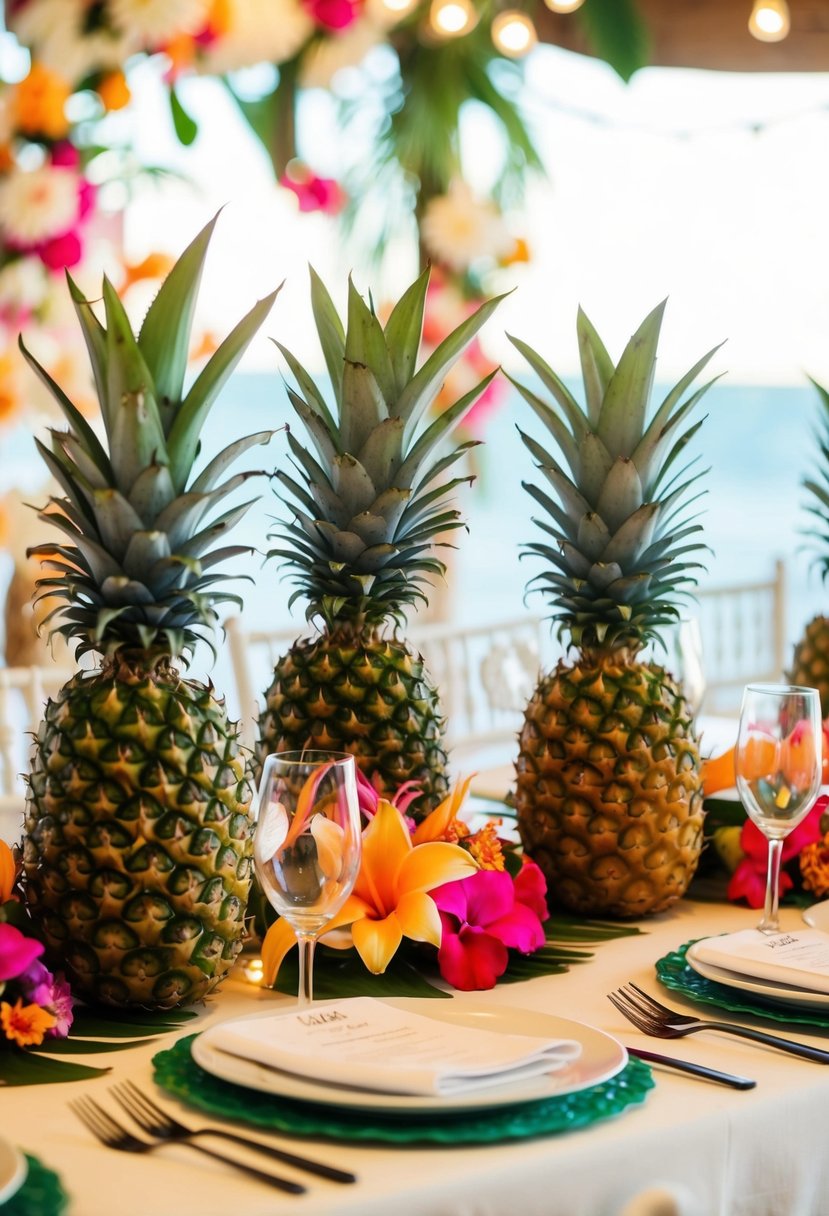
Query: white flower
259 31
23 286
459 228
38 204
54 30
154 22
343 50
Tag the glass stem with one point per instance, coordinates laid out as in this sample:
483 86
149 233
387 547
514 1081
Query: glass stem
306 943
771 922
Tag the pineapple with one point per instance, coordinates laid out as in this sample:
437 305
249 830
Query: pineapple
138 849
810 663
608 785
367 503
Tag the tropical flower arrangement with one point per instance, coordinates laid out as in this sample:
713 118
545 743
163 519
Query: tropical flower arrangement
34 1004
468 895
740 848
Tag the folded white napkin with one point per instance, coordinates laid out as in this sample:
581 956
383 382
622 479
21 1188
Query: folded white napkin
363 1043
799 959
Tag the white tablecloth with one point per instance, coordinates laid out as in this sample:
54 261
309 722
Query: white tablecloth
719 1152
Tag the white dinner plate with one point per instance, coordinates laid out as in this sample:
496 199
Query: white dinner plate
600 1059
817 915
769 990
13 1170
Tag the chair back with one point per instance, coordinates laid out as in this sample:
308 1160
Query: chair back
23 694
743 629
484 674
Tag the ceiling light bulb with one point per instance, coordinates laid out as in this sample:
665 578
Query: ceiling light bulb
563 6
770 20
513 33
452 17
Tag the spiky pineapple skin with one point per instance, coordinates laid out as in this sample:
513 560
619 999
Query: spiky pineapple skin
363 694
609 793
810 663
138 849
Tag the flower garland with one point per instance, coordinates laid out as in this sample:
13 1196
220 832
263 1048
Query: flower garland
468 895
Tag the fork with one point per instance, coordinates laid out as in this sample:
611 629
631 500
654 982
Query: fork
649 1016
114 1135
157 1122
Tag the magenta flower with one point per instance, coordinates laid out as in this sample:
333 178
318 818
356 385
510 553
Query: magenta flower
368 797
481 917
17 952
52 993
313 193
334 15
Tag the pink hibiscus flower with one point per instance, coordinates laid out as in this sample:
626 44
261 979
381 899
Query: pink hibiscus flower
17 952
484 915
748 881
52 993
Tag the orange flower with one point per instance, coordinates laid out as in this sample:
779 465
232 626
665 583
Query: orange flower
485 847
8 872
181 51
814 866
10 399
520 252
153 266
25 1025
114 91
39 102
220 18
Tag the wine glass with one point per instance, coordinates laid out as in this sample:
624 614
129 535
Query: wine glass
778 766
307 844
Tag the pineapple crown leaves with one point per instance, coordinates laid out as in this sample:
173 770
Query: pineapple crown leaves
133 570
818 503
369 493
616 506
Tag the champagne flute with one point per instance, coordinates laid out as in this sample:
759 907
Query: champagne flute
778 766
307 844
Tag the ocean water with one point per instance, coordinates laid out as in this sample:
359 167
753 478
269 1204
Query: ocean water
756 443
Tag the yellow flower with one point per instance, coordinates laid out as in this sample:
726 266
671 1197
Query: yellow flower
390 899
25 1025
8 872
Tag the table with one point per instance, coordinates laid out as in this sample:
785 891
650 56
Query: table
720 1152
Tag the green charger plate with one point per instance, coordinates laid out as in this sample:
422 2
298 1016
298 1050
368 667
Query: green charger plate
40 1195
177 1072
675 972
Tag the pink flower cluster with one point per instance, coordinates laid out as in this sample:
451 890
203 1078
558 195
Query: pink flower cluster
29 991
63 249
485 916
313 193
748 881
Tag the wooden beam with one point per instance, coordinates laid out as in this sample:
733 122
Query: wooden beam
712 34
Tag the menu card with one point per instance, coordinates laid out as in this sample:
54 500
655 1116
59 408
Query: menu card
364 1043
799 959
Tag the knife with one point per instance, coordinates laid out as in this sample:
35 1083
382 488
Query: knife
696 1070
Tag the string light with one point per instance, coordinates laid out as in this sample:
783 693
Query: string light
397 7
450 18
563 6
770 20
513 33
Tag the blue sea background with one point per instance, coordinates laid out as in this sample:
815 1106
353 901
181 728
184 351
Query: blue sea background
757 443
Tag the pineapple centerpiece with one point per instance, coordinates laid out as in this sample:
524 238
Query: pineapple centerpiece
368 497
138 849
810 663
609 794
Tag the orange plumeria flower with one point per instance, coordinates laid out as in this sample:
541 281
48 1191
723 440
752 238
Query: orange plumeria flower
25 1025
39 102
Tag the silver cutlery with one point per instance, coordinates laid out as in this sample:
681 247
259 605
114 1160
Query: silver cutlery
696 1070
649 1016
157 1122
112 1134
